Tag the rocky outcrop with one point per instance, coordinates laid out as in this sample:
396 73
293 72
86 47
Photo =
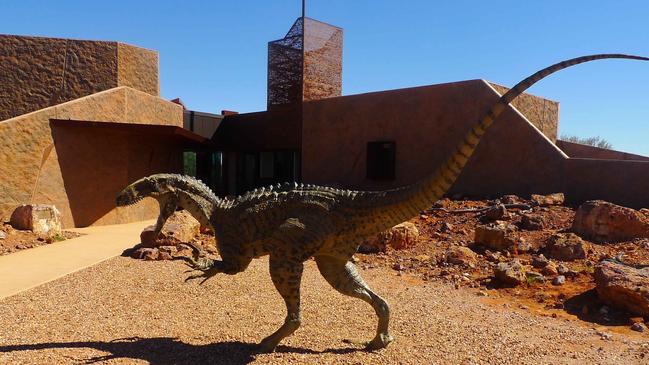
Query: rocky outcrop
566 247
601 221
623 287
532 222
180 227
499 236
41 219
399 237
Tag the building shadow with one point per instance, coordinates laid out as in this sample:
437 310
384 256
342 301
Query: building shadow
167 350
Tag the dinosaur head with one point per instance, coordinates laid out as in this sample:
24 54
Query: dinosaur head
134 193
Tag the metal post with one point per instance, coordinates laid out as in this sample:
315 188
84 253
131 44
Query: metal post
303 8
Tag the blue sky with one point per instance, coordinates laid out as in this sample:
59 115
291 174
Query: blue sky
213 53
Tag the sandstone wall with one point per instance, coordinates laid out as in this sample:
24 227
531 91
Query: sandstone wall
31 170
543 113
38 72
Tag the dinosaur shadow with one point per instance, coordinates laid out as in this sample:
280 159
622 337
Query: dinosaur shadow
167 350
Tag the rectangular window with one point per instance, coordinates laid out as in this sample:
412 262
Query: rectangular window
381 158
189 163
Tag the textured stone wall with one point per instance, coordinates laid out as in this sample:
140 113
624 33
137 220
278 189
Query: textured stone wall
138 68
543 113
30 165
37 72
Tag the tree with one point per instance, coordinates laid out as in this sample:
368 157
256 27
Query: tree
590 141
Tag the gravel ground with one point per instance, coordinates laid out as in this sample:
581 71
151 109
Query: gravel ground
125 311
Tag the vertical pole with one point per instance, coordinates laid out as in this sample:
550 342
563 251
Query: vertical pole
303 8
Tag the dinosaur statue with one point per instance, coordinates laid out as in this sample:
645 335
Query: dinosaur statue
293 222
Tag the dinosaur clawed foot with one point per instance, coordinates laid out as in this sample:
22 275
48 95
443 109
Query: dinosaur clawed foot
381 340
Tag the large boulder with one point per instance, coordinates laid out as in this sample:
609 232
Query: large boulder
42 219
623 286
498 236
180 227
399 237
566 247
601 221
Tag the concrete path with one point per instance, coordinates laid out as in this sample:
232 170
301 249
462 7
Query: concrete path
26 269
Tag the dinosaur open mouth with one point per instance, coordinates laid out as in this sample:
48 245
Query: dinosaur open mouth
132 201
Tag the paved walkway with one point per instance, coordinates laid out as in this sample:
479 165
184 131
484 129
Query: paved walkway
26 269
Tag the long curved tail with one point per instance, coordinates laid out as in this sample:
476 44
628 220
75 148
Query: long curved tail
395 206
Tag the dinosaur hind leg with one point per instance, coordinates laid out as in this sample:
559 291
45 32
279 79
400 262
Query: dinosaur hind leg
286 276
342 276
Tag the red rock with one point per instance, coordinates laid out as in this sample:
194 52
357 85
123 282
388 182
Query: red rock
601 221
532 222
623 287
460 255
510 273
566 247
496 236
41 219
180 227
399 237
547 200
145 253
164 256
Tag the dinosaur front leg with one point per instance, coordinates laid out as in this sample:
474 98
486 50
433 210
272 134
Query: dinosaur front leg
167 208
286 276
343 276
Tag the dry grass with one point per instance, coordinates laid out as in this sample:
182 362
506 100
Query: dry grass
133 312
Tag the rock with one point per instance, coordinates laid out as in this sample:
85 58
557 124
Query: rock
492 256
171 250
446 227
601 221
523 246
495 212
497 236
624 287
547 200
559 280
398 267
539 261
460 255
639 327
145 253
44 220
510 273
532 222
534 277
180 227
164 256
563 269
399 237
2 235
550 269
566 247
511 199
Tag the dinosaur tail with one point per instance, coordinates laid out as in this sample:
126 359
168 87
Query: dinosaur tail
401 204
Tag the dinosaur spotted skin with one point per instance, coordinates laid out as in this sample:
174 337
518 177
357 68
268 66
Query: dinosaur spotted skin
293 222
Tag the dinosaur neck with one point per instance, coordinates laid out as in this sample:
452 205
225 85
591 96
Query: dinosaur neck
391 207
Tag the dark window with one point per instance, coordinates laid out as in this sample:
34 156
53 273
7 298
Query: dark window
381 160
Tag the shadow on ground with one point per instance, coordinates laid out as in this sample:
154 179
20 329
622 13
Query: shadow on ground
588 307
165 350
